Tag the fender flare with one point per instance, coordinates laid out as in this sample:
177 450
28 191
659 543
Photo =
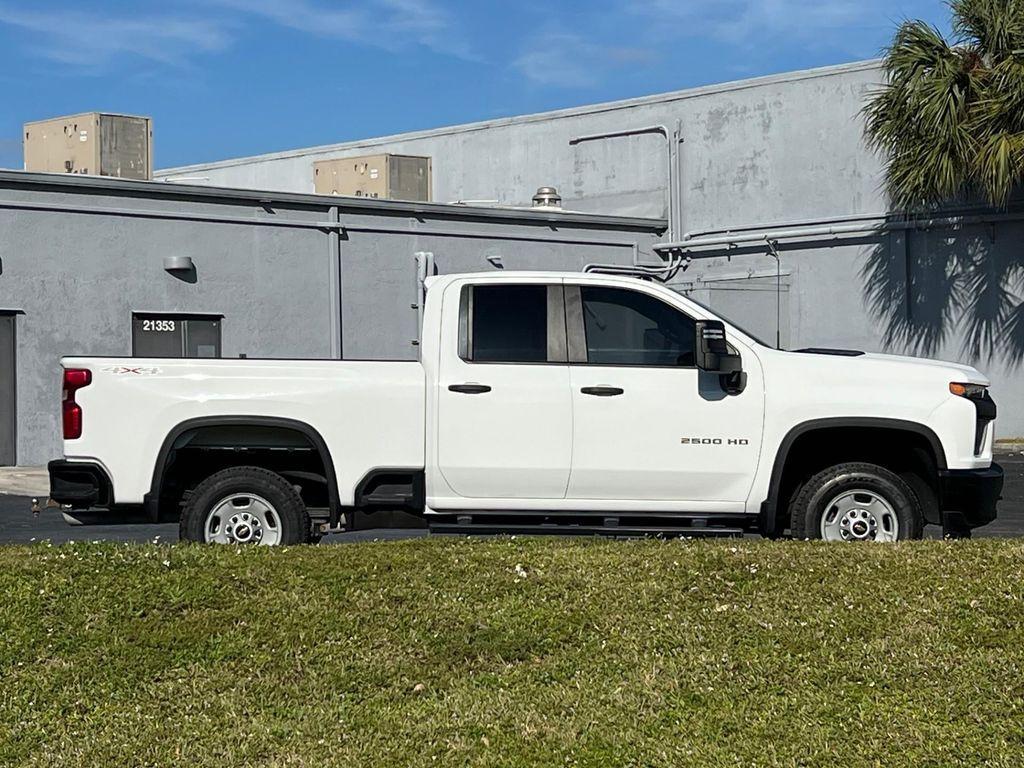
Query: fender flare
769 507
151 500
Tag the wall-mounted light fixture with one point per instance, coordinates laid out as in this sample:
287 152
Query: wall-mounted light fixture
178 263
181 267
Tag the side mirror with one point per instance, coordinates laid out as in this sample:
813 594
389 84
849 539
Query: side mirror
710 351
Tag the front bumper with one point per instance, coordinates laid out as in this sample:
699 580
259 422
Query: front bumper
82 485
970 495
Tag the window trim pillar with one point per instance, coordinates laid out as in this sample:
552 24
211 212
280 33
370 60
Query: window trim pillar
575 331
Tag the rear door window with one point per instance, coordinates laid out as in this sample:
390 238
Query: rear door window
508 324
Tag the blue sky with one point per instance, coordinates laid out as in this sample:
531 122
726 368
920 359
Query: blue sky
226 78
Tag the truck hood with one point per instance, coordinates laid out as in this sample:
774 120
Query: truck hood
970 373
958 371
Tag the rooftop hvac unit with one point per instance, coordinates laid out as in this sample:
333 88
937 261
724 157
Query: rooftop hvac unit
93 143
393 177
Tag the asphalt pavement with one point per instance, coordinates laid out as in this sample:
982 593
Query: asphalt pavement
19 525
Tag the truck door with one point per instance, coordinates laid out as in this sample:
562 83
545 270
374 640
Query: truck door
504 412
648 425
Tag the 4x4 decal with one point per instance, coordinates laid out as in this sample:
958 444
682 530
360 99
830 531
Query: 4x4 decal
138 370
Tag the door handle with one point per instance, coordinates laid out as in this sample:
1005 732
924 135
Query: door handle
602 391
469 389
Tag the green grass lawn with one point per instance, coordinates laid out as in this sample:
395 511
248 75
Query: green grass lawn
543 652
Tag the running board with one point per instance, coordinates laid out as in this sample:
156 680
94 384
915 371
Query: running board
611 526
549 529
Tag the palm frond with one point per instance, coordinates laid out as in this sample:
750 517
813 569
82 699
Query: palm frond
996 26
999 166
950 118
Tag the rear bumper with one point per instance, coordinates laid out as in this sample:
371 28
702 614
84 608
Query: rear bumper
971 494
82 485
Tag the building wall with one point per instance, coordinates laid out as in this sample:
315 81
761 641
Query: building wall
756 152
80 255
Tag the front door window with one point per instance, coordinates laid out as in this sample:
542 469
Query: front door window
625 327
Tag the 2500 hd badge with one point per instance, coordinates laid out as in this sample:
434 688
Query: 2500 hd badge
714 441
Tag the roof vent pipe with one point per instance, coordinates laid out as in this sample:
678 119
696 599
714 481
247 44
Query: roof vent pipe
547 197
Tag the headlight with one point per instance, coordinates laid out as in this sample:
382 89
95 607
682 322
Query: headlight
967 390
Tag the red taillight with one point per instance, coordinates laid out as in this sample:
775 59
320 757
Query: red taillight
74 380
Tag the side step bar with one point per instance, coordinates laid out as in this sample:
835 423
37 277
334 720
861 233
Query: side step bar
465 526
576 523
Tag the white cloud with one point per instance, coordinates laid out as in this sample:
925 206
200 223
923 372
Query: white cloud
572 49
581 52
769 22
567 60
92 40
387 24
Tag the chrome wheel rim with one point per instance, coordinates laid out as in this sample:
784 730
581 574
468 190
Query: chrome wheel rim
859 515
243 518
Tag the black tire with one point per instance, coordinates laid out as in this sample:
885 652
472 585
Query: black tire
291 515
809 504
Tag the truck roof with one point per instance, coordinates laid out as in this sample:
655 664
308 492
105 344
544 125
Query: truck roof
527 275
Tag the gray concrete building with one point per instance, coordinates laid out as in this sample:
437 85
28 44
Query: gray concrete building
780 147
245 260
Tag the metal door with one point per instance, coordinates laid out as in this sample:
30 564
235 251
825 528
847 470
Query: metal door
8 400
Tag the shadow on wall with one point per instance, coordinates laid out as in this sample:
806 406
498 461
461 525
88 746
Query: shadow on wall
953 288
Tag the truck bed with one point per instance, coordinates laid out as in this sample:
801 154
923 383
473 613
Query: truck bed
370 414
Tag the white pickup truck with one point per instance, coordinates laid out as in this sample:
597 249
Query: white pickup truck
543 402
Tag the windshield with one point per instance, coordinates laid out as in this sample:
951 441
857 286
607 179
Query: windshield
731 322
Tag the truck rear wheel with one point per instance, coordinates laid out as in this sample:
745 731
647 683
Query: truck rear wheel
245 505
856 502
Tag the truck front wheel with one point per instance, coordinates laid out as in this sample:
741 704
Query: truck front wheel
245 505
856 502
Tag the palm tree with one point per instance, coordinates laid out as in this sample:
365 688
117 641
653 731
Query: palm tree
950 120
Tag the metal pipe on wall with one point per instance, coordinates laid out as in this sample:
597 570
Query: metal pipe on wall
670 179
677 143
818 221
784 224
424 269
334 272
835 230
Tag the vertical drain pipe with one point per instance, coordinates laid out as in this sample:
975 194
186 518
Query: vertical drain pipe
424 269
677 145
334 271
671 181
